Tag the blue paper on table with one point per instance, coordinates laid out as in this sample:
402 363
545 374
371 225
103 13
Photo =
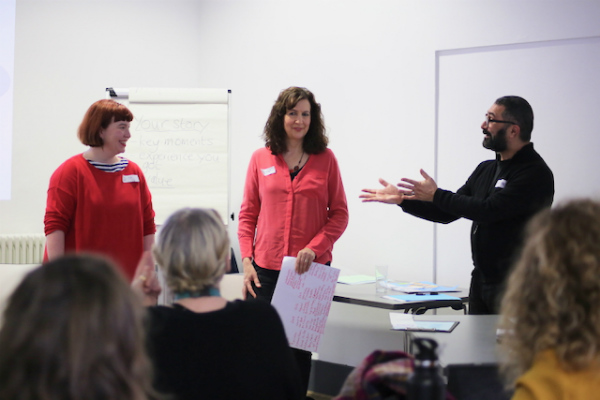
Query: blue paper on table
406 298
420 287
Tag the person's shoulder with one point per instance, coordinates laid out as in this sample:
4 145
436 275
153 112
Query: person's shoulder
545 367
260 318
327 153
159 318
159 312
325 157
485 164
261 152
537 158
528 154
70 166
261 155
252 304
130 163
254 307
76 161
132 167
542 380
531 162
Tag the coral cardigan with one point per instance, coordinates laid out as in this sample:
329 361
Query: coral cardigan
280 216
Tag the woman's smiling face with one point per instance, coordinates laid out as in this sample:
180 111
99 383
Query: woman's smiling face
115 136
297 120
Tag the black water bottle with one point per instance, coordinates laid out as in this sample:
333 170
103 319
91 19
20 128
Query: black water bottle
426 381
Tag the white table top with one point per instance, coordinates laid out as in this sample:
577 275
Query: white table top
473 340
353 332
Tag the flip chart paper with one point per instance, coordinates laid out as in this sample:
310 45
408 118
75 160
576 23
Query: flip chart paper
303 302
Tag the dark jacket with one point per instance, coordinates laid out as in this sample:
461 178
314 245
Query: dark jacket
499 197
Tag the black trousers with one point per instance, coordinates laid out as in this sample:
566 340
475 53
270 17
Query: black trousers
268 280
484 298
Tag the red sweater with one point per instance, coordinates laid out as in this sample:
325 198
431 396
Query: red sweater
287 216
101 212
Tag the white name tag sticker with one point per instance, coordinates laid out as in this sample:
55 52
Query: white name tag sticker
130 178
501 183
268 171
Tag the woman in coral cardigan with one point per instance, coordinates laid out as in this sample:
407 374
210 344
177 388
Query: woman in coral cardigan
294 201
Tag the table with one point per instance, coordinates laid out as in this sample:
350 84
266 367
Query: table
354 331
364 294
469 355
473 340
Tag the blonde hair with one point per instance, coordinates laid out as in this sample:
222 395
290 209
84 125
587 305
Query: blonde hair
552 299
193 250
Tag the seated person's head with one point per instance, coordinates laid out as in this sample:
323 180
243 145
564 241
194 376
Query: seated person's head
193 250
552 300
73 329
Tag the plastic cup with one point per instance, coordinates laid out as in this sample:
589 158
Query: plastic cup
381 279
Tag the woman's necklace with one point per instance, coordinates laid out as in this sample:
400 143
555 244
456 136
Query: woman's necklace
208 291
297 167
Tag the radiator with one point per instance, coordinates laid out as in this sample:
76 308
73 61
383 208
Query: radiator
22 249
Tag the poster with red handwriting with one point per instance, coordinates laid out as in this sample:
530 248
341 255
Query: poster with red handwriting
303 302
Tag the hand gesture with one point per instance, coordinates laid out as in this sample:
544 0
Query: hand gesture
420 190
390 194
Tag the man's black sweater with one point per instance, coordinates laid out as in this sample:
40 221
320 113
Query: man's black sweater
499 197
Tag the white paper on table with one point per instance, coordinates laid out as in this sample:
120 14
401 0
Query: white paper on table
402 321
303 302
406 322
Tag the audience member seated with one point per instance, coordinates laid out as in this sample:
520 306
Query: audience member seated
383 375
205 347
73 330
551 308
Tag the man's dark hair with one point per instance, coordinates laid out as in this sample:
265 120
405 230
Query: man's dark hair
518 110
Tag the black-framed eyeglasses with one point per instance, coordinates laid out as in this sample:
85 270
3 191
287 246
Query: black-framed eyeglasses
488 120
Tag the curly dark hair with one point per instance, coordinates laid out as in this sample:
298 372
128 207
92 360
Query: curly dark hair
275 137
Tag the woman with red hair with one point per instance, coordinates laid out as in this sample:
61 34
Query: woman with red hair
99 201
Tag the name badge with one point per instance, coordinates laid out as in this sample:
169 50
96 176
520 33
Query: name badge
501 183
268 171
130 178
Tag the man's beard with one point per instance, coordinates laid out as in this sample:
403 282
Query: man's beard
495 143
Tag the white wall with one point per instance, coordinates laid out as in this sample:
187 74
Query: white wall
559 78
7 45
372 65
